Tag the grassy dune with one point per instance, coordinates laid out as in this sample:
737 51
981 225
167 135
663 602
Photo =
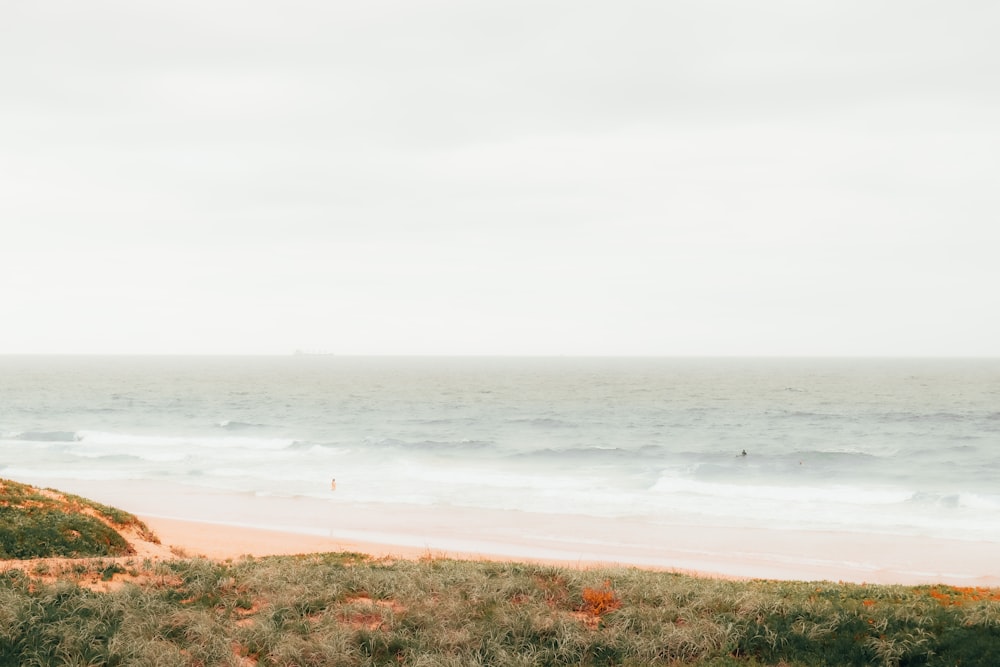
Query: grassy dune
38 523
347 609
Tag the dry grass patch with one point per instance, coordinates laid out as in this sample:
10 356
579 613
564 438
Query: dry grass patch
363 612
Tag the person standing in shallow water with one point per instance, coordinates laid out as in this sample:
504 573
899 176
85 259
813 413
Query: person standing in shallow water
743 453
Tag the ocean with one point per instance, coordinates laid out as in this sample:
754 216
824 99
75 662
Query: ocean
888 446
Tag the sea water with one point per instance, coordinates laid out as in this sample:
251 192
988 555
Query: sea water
866 445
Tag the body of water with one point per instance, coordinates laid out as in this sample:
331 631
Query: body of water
888 446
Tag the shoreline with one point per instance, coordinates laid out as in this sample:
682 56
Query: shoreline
221 525
225 541
221 542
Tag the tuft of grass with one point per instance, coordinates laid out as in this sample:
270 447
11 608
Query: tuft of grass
118 518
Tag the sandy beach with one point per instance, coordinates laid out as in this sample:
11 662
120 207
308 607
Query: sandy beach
801 556
227 525
221 525
797 556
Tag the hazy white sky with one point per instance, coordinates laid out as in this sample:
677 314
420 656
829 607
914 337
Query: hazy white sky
663 177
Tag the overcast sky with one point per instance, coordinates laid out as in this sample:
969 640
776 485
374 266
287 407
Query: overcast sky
670 178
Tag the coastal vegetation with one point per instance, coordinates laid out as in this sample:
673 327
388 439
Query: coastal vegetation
346 609
38 523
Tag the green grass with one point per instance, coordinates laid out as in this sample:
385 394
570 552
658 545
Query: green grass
38 524
35 533
344 609
118 518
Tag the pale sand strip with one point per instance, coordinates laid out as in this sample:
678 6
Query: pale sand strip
792 560
220 542
222 524
223 542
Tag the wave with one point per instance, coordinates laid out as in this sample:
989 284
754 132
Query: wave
979 501
431 446
305 478
899 416
88 438
598 452
300 445
847 454
108 457
102 474
547 422
920 417
226 442
148 455
805 414
850 495
239 426
973 501
45 436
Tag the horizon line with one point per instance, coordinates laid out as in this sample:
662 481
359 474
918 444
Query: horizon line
299 353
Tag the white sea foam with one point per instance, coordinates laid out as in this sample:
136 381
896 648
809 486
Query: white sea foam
227 442
980 501
836 494
102 474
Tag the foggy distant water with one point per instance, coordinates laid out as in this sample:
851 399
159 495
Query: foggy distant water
889 446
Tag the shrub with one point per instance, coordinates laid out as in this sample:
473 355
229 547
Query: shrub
599 601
